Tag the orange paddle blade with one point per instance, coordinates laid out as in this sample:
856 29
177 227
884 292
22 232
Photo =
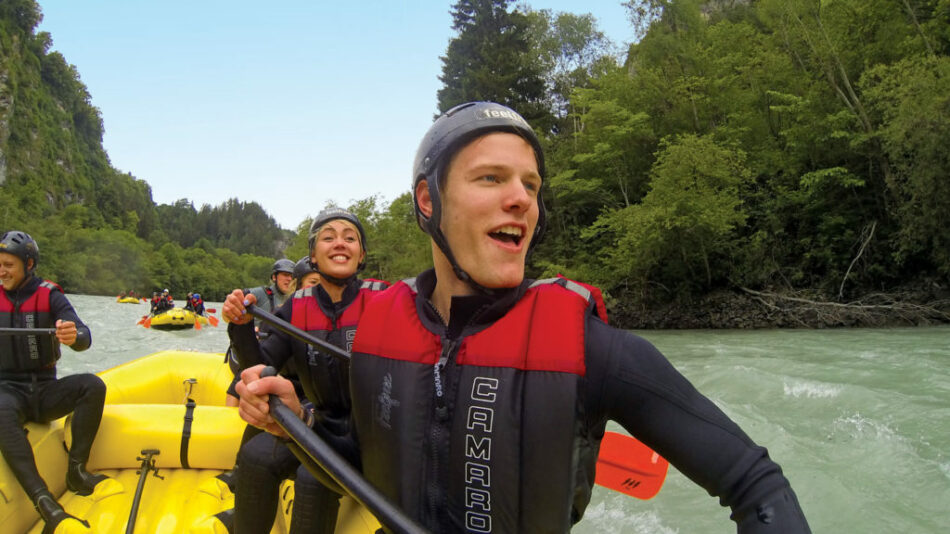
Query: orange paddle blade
197 323
148 322
213 320
630 467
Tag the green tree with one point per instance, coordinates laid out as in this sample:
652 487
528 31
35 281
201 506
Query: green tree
398 248
490 59
681 235
571 50
911 101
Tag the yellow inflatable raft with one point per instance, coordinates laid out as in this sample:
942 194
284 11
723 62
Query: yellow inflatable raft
127 300
146 410
177 319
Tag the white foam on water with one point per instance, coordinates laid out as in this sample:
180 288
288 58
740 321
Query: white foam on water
612 519
811 390
859 426
945 469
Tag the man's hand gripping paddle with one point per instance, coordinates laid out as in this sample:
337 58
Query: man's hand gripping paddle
339 469
624 464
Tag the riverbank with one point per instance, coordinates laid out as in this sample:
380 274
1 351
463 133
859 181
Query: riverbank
917 304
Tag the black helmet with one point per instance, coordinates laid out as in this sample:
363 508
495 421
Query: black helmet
21 245
282 265
303 267
330 214
449 134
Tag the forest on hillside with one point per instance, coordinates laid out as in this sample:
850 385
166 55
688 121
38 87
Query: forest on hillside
740 154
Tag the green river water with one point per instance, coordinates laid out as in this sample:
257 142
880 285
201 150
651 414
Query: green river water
859 419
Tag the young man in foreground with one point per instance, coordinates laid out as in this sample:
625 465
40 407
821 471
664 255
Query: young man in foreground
480 397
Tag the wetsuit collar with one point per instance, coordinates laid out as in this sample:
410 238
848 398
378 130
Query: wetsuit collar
332 309
27 287
469 313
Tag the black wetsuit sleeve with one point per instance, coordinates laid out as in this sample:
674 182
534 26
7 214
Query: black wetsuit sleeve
62 309
274 350
629 381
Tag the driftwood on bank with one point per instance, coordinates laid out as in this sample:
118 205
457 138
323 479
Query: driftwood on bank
923 303
876 309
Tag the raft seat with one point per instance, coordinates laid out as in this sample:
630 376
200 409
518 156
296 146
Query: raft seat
146 409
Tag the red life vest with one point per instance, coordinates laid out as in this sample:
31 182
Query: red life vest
325 378
28 353
478 434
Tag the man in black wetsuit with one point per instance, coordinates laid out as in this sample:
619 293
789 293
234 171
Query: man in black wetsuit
480 397
29 389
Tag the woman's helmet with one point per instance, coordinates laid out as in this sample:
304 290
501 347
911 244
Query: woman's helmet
326 216
449 134
330 214
21 245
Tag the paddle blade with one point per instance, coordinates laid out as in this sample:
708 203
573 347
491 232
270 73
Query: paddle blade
213 320
142 320
197 323
211 310
148 322
630 467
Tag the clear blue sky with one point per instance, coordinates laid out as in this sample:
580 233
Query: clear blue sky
290 104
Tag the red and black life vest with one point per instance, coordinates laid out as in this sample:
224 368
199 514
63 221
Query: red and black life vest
325 378
28 353
502 449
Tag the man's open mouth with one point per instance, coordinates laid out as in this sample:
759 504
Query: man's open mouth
508 234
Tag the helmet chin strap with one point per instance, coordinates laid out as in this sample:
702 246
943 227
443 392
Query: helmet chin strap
460 273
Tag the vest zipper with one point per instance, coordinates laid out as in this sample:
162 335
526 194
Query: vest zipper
448 350
434 493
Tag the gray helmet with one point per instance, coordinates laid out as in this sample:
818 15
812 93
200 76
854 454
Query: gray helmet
303 267
330 214
282 265
21 245
449 134
321 219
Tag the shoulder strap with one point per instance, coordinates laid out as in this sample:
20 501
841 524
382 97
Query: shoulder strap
52 286
589 292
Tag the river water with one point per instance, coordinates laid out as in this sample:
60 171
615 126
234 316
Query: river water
859 419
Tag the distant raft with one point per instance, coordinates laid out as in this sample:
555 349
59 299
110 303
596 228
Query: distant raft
127 300
176 319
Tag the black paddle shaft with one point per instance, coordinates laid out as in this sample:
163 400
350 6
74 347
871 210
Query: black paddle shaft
27 331
293 331
148 464
339 469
